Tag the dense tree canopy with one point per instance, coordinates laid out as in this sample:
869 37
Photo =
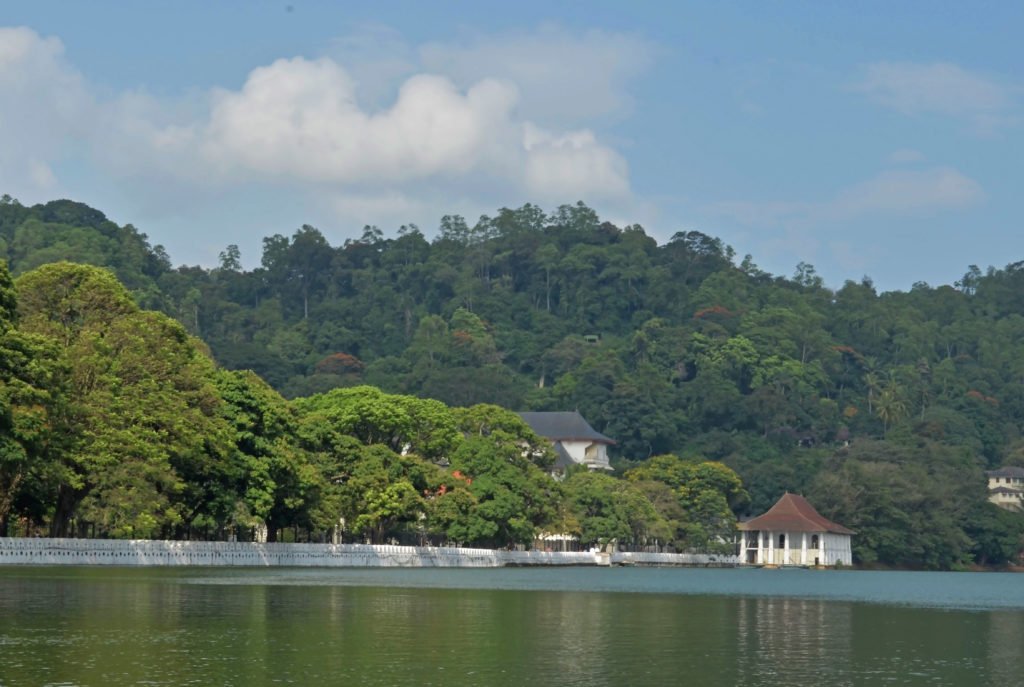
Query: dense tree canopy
883 408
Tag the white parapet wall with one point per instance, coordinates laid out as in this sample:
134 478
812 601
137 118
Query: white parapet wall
692 560
137 552
194 553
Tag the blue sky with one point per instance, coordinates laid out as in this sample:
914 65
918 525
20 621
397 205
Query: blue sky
879 139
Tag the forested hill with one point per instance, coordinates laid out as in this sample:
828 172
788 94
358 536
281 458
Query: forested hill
884 408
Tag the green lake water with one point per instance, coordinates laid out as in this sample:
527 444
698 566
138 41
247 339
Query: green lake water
573 626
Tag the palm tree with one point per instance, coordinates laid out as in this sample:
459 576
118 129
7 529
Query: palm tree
873 384
890 406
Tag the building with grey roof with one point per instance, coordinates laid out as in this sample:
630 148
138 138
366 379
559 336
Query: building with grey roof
575 441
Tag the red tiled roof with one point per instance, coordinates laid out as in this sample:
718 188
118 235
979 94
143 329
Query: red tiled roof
793 513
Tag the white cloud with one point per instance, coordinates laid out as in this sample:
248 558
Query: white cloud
772 213
571 166
299 118
390 208
854 256
891 192
482 125
940 88
299 121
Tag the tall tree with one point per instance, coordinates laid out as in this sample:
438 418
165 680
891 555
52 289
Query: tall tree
141 415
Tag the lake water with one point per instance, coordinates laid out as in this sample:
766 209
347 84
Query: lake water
575 626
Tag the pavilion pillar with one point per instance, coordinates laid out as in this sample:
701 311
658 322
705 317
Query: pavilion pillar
785 549
771 547
759 555
803 548
743 547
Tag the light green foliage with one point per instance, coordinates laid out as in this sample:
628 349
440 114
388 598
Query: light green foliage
65 301
707 494
506 427
402 423
141 413
613 510
153 413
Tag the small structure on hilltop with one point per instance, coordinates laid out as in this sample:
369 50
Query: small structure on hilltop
1006 487
575 441
793 533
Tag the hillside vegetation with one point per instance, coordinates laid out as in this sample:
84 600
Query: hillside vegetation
883 409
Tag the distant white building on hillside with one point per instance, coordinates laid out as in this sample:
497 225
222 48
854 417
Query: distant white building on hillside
575 441
1006 487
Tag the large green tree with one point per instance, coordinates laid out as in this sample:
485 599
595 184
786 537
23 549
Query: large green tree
141 424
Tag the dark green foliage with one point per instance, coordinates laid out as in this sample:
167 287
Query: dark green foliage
66 230
906 498
998 535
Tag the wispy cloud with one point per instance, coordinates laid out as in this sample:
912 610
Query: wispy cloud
891 192
942 88
904 192
44 104
905 156
564 76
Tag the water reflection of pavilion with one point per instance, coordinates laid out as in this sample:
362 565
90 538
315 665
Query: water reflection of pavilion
1005 641
783 641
